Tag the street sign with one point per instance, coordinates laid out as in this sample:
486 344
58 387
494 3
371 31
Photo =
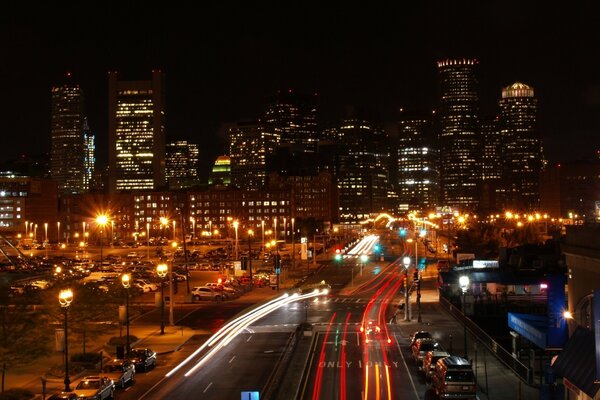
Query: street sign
254 395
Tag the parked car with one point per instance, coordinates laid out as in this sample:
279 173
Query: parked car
419 335
453 378
95 388
64 396
420 349
206 293
429 362
120 371
143 358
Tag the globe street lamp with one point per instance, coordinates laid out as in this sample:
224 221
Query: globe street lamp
65 297
406 262
126 281
101 220
463 281
161 270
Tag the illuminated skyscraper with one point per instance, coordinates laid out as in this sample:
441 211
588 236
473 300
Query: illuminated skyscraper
89 155
363 169
182 164
293 117
459 133
221 172
418 176
136 131
66 125
522 151
249 145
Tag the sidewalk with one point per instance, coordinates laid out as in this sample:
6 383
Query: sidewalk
501 381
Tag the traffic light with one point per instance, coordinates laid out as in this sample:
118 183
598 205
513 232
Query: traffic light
402 232
377 248
422 233
338 257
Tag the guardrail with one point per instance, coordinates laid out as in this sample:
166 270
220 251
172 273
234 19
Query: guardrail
521 370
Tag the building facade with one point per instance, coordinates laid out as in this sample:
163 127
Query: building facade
136 130
522 154
89 156
459 133
250 143
182 164
417 170
221 172
67 142
292 117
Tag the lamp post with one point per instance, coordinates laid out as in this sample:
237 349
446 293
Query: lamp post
126 281
58 231
65 297
174 224
45 232
171 300
275 228
236 224
284 229
101 220
161 270
406 262
148 240
262 224
250 235
464 286
293 246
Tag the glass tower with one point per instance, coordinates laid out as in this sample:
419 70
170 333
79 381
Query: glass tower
459 133
136 134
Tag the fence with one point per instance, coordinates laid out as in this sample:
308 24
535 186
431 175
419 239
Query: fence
521 370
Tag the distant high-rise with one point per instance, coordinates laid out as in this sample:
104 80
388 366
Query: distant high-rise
136 131
459 133
89 155
293 117
363 169
417 175
491 144
249 145
182 164
522 150
66 154
221 172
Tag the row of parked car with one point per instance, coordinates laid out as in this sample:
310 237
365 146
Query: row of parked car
115 374
450 376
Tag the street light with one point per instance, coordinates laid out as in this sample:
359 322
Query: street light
293 246
126 281
171 299
101 220
148 240
463 281
406 262
235 226
45 232
58 231
65 297
262 224
161 270
250 235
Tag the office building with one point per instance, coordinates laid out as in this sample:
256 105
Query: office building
292 117
136 130
67 143
250 142
417 172
363 169
89 156
182 164
522 155
221 172
459 133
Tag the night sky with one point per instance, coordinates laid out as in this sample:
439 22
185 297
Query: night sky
222 61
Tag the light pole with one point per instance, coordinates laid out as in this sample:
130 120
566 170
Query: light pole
161 270
464 286
58 231
45 232
406 262
174 224
171 300
262 224
101 220
275 228
293 246
126 281
193 228
65 297
148 240
235 226
250 235
285 230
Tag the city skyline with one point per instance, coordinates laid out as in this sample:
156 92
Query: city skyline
218 72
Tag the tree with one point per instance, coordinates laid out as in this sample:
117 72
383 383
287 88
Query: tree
24 334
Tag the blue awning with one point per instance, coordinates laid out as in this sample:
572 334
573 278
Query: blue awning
532 327
577 361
